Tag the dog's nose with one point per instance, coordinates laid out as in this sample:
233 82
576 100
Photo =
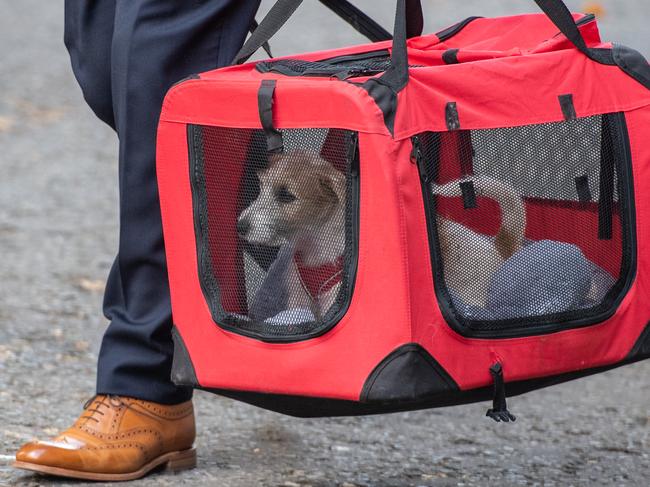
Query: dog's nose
243 226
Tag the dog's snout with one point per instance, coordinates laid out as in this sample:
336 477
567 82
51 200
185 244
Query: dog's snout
243 227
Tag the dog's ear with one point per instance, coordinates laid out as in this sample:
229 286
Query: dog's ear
275 157
326 189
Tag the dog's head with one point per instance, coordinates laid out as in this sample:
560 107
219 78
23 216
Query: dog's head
299 192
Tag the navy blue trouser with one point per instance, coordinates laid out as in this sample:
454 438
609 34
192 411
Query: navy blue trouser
125 55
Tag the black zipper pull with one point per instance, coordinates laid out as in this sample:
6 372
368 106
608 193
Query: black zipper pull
353 154
499 411
417 157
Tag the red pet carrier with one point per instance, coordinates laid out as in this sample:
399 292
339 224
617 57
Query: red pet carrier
414 223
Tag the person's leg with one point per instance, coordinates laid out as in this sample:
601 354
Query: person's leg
155 44
125 55
88 36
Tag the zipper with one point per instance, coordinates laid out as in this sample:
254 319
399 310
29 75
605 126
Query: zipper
357 73
586 19
363 56
353 154
583 21
417 158
450 32
334 62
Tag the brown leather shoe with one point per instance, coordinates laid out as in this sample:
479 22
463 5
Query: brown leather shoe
117 438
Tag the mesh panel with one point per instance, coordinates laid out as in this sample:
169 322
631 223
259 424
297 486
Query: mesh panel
343 67
349 69
275 231
529 224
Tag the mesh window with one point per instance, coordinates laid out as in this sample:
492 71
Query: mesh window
276 233
297 67
530 225
343 67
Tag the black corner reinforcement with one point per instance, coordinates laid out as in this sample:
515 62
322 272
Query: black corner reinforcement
183 373
408 374
641 349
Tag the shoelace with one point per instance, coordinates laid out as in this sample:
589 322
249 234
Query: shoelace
113 401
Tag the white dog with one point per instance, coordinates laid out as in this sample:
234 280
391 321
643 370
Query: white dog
470 258
302 204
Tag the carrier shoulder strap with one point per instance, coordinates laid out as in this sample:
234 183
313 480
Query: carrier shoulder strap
282 11
266 46
273 22
358 20
385 88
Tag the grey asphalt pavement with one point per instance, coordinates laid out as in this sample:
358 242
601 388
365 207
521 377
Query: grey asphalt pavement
58 234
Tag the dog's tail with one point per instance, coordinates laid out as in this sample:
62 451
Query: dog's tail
513 212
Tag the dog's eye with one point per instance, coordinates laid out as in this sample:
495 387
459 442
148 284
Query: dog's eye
284 196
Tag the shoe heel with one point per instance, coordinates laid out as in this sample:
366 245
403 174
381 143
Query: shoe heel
183 460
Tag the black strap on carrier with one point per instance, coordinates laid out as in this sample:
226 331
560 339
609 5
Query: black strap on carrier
499 411
274 141
266 46
282 11
409 22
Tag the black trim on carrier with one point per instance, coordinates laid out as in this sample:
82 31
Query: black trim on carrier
183 373
316 407
534 325
449 32
633 63
641 349
208 282
450 56
409 373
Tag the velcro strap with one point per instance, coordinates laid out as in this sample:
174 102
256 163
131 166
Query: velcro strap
568 108
451 116
265 96
582 188
469 194
450 56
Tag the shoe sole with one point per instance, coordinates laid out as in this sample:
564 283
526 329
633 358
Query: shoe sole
173 462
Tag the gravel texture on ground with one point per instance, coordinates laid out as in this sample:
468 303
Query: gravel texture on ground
58 235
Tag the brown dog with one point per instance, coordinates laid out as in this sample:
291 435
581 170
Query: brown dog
470 258
302 204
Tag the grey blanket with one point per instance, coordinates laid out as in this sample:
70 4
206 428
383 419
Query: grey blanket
543 278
